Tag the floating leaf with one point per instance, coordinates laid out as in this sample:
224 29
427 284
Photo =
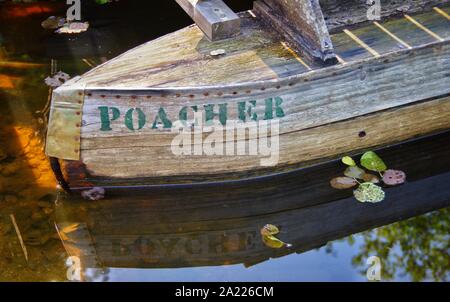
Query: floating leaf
341 183
273 242
96 193
348 161
53 22
70 228
369 192
355 172
370 160
394 177
367 177
269 229
67 230
73 28
57 80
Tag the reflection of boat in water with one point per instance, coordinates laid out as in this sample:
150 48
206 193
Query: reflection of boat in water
333 88
220 224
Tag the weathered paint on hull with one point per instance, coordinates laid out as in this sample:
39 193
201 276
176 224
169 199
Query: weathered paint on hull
297 149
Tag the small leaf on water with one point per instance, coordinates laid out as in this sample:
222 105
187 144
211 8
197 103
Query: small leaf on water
57 80
348 161
369 192
394 177
67 230
273 242
367 177
355 172
53 22
371 161
73 28
269 229
341 183
94 194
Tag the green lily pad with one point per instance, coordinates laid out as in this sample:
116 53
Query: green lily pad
371 161
348 161
369 192
355 172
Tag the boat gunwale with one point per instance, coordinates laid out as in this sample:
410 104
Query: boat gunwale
264 85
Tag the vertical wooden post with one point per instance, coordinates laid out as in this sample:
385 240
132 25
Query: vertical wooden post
213 17
301 23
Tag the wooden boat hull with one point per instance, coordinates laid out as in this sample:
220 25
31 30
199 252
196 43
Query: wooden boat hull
119 133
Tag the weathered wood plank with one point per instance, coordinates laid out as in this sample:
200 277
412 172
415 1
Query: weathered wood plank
301 23
256 54
435 22
319 98
409 32
296 149
213 17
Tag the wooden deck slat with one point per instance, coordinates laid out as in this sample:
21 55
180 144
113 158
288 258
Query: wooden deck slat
391 35
386 31
442 13
346 48
435 22
424 28
408 32
377 39
445 9
363 44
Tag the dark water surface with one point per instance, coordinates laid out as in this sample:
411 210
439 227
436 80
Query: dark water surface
193 234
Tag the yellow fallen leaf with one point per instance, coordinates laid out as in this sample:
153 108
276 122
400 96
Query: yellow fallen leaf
269 229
